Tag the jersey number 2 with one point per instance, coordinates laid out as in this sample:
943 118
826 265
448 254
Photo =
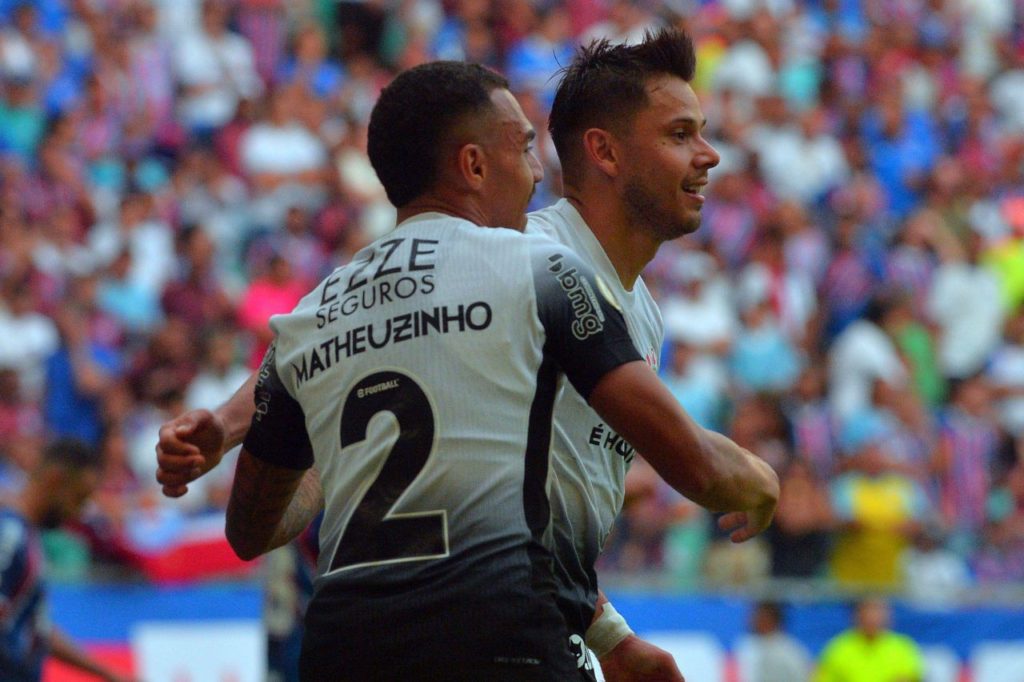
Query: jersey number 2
374 535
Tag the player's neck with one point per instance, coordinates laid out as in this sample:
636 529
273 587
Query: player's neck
435 203
629 250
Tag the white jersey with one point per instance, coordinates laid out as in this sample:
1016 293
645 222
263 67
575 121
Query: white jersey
421 379
590 460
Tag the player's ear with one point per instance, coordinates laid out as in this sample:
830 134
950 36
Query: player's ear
471 164
601 150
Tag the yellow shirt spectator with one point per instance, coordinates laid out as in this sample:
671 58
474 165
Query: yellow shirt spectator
876 511
870 652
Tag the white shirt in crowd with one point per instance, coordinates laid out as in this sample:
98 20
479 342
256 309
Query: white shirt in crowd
284 149
745 69
821 160
797 297
26 341
861 354
1006 370
705 315
150 244
967 304
775 657
224 70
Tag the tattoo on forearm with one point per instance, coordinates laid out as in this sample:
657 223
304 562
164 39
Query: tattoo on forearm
260 499
305 505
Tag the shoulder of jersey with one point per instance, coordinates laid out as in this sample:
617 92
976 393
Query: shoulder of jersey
544 239
540 221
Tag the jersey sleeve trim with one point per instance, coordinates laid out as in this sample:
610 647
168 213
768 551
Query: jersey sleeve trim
585 332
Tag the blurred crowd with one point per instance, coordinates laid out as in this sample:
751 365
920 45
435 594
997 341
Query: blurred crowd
174 172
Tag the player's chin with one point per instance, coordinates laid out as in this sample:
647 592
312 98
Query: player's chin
690 223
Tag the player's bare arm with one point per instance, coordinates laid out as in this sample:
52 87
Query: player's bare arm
193 443
269 506
708 468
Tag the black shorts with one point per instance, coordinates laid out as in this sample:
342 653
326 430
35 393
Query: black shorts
421 637
479 672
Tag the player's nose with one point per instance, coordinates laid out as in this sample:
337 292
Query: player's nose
536 168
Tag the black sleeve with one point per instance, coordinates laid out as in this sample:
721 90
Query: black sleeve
277 434
586 334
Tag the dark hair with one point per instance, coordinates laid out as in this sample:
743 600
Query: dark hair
773 610
605 86
71 454
414 116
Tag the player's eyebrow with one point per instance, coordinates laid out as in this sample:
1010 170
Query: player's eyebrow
690 121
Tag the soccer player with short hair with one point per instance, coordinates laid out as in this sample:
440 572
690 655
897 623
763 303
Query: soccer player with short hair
627 128
57 488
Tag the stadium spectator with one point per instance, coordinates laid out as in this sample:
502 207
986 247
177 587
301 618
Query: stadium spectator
359 186
264 24
698 306
1005 373
275 291
805 243
933 573
768 277
850 278
763 357
966 304
769 654
533 62
27 337
861 355
147 240
22 119
151 71
878 511
1000 559
309 66
967 456
21 432
870 651
799 537
133 305
283 160
730 222
812 421
699 386
914 343
911 261
78 376
197 295
215 68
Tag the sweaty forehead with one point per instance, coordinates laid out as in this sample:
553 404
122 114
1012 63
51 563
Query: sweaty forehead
672 97
510 115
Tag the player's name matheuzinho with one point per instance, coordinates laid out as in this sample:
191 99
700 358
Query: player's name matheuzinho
445 319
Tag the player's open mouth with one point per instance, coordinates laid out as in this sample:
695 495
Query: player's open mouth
695 189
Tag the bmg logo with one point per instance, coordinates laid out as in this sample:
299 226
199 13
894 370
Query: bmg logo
587 316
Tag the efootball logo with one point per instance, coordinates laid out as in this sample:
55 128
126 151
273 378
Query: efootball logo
587 316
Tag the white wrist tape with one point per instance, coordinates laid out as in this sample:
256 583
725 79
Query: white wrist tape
605 633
